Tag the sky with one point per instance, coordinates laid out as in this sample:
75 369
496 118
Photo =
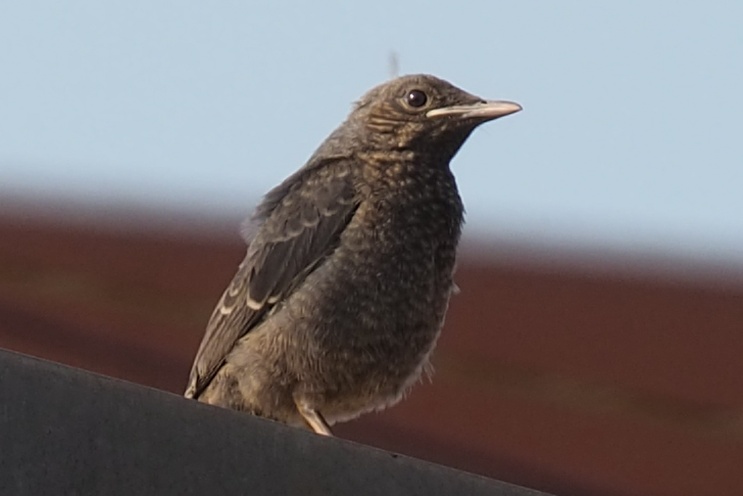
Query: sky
630 137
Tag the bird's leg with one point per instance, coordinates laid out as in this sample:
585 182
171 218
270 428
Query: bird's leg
314 419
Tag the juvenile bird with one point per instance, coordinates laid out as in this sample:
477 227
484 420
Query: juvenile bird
341 297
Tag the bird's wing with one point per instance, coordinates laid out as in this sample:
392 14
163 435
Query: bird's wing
298 224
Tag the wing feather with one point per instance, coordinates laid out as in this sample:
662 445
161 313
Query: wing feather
295 228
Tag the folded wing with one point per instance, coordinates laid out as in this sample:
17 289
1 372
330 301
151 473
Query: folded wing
296 227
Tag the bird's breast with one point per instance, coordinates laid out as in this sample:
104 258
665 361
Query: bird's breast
376 305
395 260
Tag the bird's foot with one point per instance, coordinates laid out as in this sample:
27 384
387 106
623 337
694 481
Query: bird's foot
314 419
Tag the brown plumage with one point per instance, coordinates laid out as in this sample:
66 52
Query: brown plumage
340 299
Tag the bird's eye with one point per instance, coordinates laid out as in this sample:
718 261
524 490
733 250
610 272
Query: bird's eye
416 98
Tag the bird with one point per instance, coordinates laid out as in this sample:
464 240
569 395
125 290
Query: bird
337 306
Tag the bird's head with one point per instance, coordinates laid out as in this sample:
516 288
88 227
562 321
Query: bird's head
424 113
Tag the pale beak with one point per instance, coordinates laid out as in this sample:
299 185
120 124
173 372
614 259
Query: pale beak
484 110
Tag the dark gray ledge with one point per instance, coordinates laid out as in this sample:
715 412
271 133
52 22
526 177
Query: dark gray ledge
64 431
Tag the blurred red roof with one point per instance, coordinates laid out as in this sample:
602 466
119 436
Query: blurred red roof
600 378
